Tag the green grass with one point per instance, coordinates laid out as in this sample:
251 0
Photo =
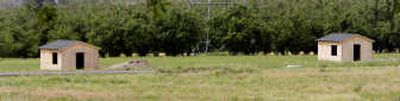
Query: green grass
253 62
215 78
12 65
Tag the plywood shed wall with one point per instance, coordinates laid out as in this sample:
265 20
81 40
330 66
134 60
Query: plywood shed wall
349 47
66 54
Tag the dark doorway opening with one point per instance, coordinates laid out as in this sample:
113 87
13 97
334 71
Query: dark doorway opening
357 52
334 50
80 61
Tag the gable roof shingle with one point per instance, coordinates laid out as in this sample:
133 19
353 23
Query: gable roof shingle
59 44
336 37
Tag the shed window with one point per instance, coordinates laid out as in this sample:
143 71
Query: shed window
55 58
334 50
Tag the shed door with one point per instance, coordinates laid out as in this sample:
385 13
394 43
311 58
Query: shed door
357 52
80 60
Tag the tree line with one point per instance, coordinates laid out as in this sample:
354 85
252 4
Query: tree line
175 28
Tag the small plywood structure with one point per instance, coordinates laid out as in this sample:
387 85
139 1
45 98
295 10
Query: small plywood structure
345 47
68 55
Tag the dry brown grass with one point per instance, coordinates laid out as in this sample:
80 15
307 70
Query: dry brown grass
238 78
330 84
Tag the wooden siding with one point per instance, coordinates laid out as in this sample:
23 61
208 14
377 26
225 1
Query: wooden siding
345 50
46 60
67 57
366 49
324 51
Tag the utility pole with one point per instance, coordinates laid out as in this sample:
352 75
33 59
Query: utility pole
209 6
208 27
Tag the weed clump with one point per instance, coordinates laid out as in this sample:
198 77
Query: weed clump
357 88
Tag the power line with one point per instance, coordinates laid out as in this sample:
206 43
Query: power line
209 4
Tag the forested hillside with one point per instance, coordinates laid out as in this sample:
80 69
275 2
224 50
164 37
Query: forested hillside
174 27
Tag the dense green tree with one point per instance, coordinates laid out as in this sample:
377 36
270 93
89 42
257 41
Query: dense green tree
179 32
172 27
21 39
239 30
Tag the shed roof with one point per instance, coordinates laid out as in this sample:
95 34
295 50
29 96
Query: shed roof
339 37
59 44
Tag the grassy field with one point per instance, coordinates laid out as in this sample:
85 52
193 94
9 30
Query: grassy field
216 78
